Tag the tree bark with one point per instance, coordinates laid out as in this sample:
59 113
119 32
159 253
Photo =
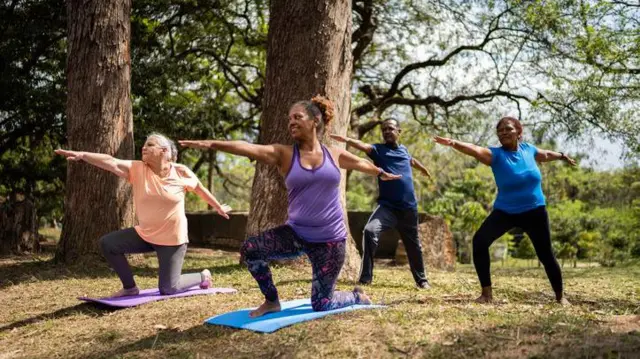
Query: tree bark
99 119
308 53
212 164
18 226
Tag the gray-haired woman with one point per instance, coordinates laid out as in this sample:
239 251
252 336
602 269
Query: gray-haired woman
159 187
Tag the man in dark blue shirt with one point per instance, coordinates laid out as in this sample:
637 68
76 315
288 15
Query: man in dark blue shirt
397 207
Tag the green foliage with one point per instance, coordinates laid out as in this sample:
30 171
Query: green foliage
525 249
590 50
198 71
361 192
32 89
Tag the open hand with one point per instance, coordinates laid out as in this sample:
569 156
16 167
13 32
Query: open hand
223 210
570 160
385 176
338 138
199 144
443 141
70 155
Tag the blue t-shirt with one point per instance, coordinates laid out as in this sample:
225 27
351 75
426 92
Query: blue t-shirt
518 179
398 193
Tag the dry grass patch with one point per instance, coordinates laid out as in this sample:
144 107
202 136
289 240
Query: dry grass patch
41 317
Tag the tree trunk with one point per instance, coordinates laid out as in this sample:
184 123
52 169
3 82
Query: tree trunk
308 53
212 164
18 226
99 119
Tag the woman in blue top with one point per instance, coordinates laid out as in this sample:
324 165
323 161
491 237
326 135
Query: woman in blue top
520 201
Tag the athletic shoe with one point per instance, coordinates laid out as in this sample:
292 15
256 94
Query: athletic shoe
206 279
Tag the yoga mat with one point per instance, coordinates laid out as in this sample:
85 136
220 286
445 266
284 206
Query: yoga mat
152 295
295 311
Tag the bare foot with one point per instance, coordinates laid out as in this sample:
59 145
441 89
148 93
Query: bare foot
486 296
483 299
126 292
266 307
362 297
563 302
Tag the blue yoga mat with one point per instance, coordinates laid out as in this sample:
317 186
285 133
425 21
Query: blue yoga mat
295 311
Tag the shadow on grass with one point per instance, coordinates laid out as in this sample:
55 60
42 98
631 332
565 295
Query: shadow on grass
503 296
543 338
628 305
567 273
214 341
83 308
47 270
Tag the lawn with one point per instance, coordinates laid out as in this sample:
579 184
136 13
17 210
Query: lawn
41 317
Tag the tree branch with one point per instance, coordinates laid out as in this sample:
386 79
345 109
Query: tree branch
363 35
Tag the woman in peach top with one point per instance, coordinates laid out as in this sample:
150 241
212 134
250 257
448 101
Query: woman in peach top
159 188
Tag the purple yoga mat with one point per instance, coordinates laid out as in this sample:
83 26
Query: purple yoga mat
152 295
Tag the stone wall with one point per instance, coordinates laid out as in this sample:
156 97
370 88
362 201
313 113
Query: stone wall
207 229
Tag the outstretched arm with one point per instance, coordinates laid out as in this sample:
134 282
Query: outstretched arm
362 146
109 163
268 154
208 197
480 153
349 161
201 190
417 164
548 156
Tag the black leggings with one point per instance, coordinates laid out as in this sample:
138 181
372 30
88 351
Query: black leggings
535 223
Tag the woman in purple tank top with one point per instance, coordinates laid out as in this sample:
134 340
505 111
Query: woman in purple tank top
315 225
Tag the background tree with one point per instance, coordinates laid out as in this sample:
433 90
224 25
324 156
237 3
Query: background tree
308 53
568 68
32 94
99 119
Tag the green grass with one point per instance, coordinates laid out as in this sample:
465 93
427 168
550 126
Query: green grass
50 234
42 319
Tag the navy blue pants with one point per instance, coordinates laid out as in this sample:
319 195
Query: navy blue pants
406 223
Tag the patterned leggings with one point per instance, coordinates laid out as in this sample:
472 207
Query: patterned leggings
326 260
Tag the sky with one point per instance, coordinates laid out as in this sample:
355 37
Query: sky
604 155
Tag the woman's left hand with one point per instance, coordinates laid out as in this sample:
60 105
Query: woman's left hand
199 144
385 176
223 210
570 160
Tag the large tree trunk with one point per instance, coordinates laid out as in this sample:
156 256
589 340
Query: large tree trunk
18 226
99 119
308 53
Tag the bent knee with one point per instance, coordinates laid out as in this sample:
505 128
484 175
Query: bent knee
320 305
167 290
105 244
479 242
371 234
249 249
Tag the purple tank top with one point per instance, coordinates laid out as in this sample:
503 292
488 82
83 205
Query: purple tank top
315 212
